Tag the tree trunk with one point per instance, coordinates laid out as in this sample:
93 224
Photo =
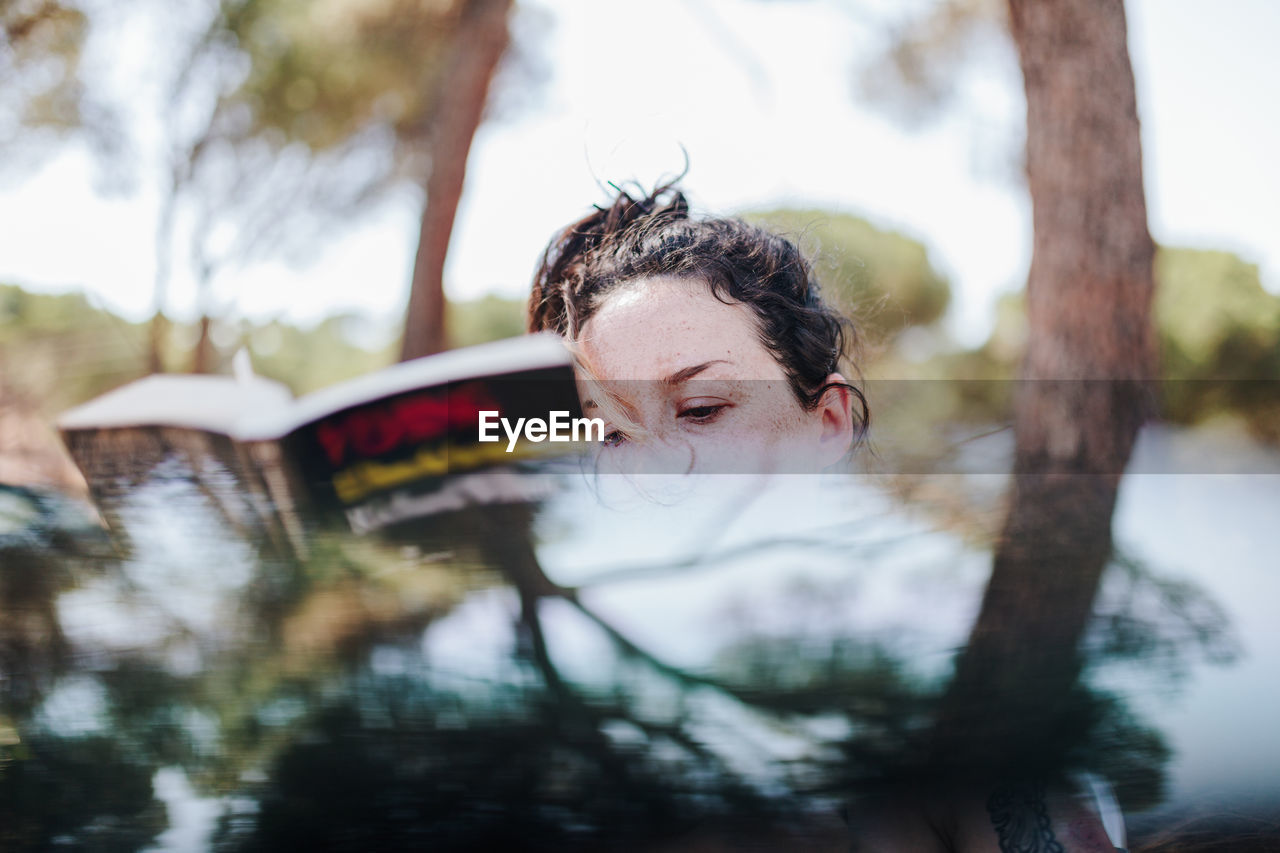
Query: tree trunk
1081 399
160 286
157 331
202 358
464 87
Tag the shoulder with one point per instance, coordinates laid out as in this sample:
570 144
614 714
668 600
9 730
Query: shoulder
1026 817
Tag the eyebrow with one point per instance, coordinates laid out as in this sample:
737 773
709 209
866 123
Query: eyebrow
687 373
682 375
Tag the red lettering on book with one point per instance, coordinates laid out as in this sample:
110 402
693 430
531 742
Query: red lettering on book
332 440
372 434
382 427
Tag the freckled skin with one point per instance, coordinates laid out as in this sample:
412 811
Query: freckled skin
655 327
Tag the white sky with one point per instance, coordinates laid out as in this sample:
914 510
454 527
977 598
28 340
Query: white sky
761 95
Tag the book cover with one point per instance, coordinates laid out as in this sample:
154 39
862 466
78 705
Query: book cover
399 443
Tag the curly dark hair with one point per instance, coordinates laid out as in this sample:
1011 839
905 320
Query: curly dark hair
655 236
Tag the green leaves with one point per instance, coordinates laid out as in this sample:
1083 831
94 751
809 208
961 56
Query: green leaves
883 279
321 73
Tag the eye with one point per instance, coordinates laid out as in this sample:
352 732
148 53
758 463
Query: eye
614 438
703 413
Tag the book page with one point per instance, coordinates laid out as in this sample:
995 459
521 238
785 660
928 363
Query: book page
530 352
209 403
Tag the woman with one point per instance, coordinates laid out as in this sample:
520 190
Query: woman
706 346
704 342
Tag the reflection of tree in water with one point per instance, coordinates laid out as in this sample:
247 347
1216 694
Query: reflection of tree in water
762 744
534 762
88 788
892 715
86 792
47 545
863 719
394 763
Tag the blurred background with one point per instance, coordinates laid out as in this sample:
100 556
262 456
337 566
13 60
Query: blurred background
335 185
176 183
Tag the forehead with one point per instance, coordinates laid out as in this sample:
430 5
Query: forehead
653 327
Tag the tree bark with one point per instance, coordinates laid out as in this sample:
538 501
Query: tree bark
1081 400
202 357
157 331
160 286
481 40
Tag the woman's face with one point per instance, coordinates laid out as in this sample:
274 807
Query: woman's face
696 389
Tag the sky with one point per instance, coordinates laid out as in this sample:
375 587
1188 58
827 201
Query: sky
761 96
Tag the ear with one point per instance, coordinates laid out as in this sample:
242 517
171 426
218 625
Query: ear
835 413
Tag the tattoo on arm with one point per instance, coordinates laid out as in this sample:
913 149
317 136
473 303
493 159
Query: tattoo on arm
1021 819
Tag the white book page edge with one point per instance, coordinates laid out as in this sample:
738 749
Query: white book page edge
529 352
210 403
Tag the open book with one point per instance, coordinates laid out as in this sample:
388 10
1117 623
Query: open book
410 440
